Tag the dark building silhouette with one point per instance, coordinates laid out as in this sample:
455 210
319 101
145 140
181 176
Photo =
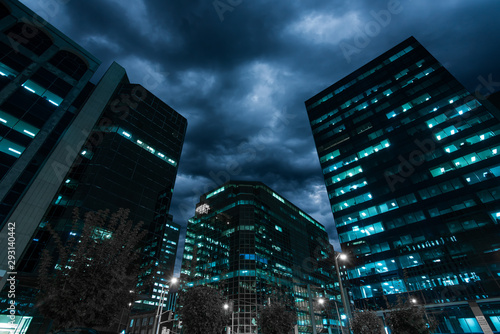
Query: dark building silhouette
67 143
43 75
411 166
128 160
254 245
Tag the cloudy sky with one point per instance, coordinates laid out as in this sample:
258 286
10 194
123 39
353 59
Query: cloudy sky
240 71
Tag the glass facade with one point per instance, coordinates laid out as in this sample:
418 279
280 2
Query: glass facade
41 78
128 160
254 245
134 169
411 165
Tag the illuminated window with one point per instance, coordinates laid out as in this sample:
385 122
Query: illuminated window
11 148
40 91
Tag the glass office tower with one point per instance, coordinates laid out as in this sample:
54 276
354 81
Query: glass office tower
254 245
43 75
128 159
411 165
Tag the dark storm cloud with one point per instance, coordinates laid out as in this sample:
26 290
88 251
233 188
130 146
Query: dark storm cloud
242 82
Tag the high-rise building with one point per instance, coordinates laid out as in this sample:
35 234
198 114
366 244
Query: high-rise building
411 166
128 160
254 245
43 75
67 143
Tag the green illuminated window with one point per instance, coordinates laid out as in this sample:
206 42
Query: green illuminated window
215 192
40 91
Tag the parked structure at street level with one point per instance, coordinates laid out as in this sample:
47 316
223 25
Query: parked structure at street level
411 165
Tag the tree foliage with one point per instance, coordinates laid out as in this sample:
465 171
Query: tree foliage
95 271
202 311
366 322
276 319
406 318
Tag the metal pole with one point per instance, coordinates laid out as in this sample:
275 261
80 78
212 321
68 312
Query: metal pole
159 310
311 310
120 322
338 317
342 296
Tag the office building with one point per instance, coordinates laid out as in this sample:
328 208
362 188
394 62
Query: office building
67 143
128 160
254 245
411 166
43 75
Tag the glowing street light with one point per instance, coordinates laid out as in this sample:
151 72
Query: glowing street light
321 301
159 310
347 306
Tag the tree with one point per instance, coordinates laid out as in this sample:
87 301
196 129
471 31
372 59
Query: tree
406 318
366 322
95 271
202 310
276 319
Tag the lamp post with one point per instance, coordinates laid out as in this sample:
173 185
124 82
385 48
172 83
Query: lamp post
159 310
226 307
345 302
321 301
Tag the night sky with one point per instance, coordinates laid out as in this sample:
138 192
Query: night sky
240 71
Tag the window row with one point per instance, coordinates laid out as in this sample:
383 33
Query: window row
378 209
348 188
463 161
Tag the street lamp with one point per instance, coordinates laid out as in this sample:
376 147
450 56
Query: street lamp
123 311
159 310
347 306
321 301
226 307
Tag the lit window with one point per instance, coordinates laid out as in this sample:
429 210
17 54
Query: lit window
29 133
14 150
29 89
